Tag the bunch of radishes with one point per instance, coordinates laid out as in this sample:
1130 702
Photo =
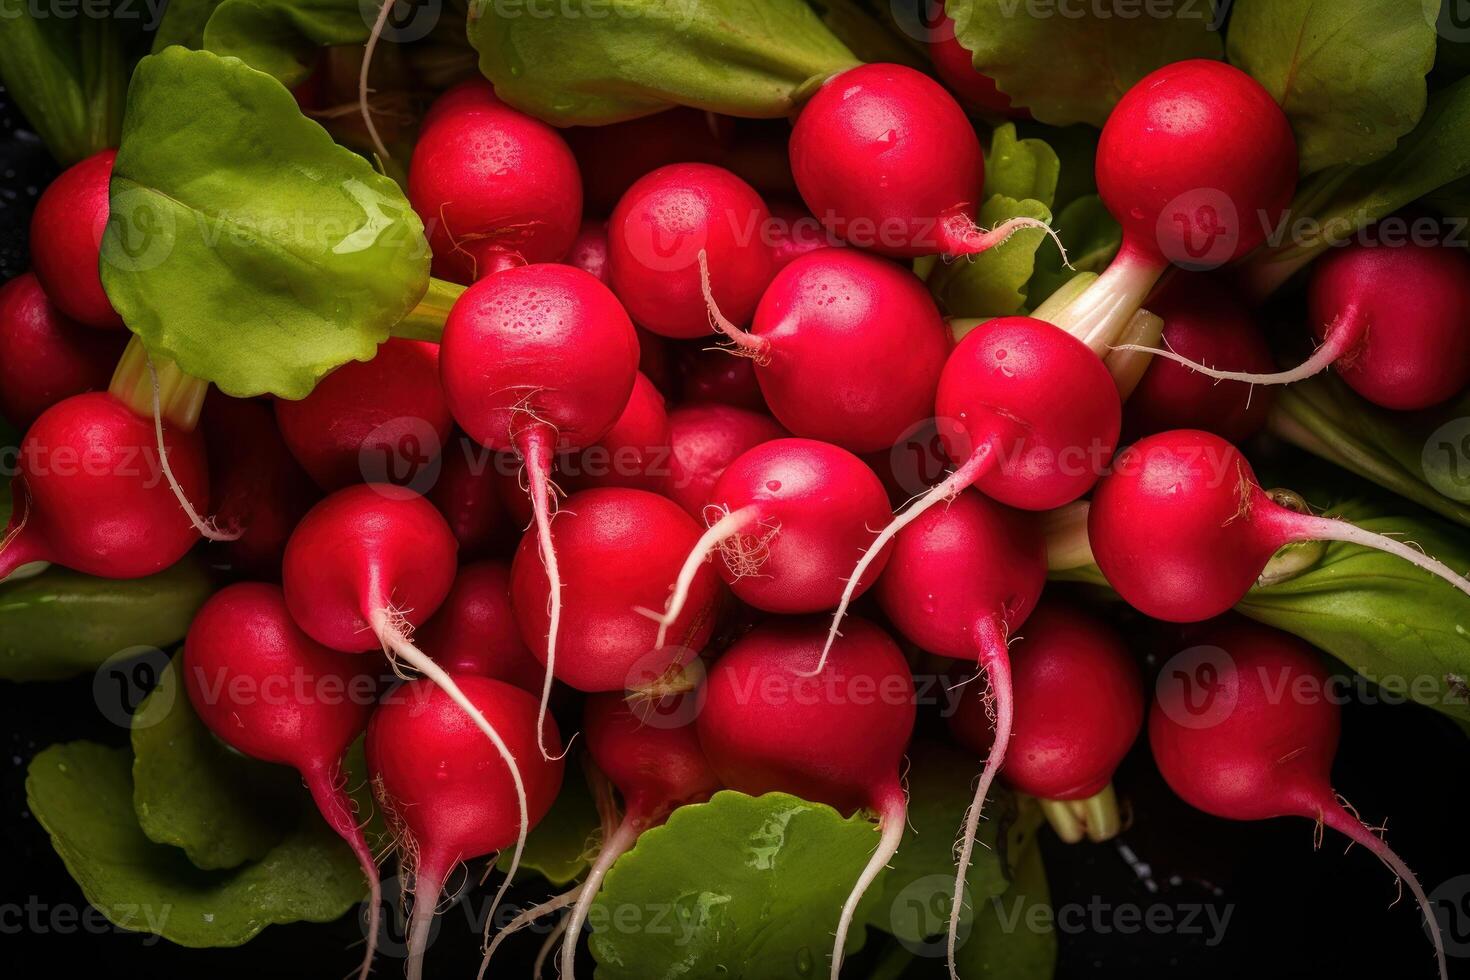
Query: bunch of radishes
488 578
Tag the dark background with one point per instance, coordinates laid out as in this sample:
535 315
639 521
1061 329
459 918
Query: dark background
1295 911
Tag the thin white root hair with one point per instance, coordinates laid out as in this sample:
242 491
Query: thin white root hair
746 344
525 919
362 79
204 525
728 525
891 822
613 848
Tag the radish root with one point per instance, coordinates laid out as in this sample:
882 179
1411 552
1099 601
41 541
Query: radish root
362 78
892 816
536 450
204 525
727 526
747 344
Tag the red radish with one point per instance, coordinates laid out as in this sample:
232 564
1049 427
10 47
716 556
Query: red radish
362 570
468 494
1391 320
44 356
888 161
589 250
66 240
619 550
796 737
657 233
848 348
241 646
787 517
257 485
656 360
1198 163
705 440
534 360
494 187
793 232
378 421
90 494
955 66
1003 424
1079 706
634 453
475 632
1252 749
1203 320
448 795
960 580
473 95
613 157
1182 529
711 375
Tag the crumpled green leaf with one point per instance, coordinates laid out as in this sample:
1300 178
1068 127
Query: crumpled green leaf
993 283
282 37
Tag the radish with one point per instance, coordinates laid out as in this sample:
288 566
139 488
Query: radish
618 549
242 645
656 360
535 359
1198 163
256 483
1182 529
787 518
494 187
612 158
468 494
589 250
710 374
378 421
704 441
960 580
1078 707
955 66
1203 320
1391 320
793 232
657 233
44 356
447 795
848 348
366 566
1003 424
66 240
888 161
475 631
797 736
1257 751
634 453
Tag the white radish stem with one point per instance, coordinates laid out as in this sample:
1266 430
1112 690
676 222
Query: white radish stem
892 815
428 882
746 344
393 639
961 478
613 848
536 449
204 525
727 526
996 662
546 947
524 919
1304 527
1103 311
1339 341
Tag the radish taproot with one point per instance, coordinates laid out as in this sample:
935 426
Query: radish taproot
242 645
1253 749
704 441
45 356
66 240
475 631
797 737
1182 529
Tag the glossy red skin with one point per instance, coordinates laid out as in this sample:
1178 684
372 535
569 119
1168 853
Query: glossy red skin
856 349
258 487
956 68
359 550
1078 705
1415 302
492 185
654 766
618 551
1006 379
1177 527
881 153
469 96
654 238
1205 322
708 375
540 344
959 565
793 232
634 453
589 250
1264 757
44 356
705 440
370 419
612 158
97 500
475 632
468 493
66 240
1184 148
825 506
266 688
837 738
656 360
445 780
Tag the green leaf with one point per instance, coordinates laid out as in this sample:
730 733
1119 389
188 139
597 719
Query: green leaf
1075 67
1092 236
558 846
243 243
1014 937
183 23
61 623
993 283
1076 150
738 887
592 63
193 792
1348 73
82 794
1021 168
282 37
869 31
